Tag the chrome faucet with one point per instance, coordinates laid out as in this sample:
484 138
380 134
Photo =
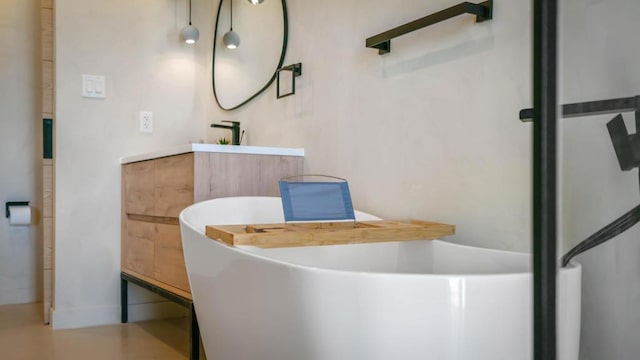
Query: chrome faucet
235 130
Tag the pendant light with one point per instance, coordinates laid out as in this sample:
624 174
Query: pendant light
231 39
256 2
190 33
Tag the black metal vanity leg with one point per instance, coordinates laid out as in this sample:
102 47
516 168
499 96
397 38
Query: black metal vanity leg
124 311
194 335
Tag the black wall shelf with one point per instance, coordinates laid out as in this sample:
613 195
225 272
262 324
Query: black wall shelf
483 11
599 107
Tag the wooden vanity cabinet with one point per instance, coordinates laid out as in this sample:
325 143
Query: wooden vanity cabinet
155 191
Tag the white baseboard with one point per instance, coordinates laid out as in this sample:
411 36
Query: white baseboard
15 296
109 315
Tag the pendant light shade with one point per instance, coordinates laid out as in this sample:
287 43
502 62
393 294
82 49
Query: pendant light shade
231 39
256 2
190 33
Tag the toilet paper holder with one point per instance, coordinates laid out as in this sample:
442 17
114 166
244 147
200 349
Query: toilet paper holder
14 203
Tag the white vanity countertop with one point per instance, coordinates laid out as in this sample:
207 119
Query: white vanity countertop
234 149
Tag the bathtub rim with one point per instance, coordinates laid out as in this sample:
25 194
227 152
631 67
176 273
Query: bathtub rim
572 267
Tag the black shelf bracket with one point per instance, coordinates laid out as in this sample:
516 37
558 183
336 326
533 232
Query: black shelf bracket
626 146
483 11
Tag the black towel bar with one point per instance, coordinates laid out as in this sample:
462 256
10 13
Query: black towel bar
483 11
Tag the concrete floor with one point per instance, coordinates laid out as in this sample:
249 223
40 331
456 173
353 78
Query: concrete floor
24 337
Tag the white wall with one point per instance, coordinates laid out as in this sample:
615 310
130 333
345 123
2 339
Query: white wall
135 44
20 247
599 56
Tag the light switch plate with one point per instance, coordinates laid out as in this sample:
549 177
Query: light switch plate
94 86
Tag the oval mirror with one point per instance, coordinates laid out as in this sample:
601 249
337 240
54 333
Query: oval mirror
241 74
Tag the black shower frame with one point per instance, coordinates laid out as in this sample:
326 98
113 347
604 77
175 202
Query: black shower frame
545 23
544 115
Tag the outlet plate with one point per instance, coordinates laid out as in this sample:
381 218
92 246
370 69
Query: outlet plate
146 122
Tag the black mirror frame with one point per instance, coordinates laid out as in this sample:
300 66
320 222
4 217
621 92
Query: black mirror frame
275 72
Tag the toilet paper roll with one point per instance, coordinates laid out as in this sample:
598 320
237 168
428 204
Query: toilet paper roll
20 215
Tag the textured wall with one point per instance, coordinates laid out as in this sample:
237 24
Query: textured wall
136 45
20 249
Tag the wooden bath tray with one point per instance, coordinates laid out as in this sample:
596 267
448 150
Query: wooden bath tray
327 233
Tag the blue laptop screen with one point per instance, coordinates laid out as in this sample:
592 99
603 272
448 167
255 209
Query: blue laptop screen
311 201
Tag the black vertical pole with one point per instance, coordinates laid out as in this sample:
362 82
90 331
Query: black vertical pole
544 178
124 311
194 335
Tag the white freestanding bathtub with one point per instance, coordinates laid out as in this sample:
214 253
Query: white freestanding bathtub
397 300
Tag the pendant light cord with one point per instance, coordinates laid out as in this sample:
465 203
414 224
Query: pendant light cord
231 14
189 12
